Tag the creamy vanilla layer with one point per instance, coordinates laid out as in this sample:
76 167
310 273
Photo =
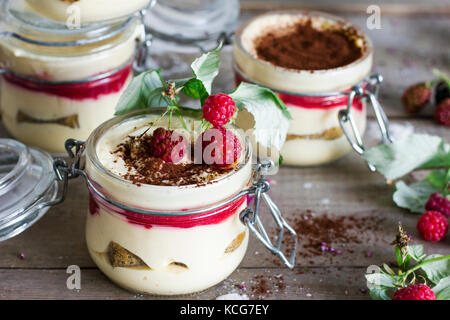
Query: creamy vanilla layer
89 10
291 80
69 63
180 260
303 151
109 168
39 111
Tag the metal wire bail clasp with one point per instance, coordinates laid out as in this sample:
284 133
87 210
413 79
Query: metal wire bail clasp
251 217
64 172
368 90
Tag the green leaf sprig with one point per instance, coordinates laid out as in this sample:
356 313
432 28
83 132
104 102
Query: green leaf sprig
149 90
413 266
412 153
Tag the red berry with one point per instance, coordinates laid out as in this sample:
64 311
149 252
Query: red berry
432 226
222 140
442 112
438 203
414 292
218 109
416 97
167 145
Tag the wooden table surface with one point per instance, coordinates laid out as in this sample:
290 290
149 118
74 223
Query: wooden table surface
410 42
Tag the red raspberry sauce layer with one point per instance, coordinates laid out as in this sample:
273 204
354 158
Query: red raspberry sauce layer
147 221
317 102
77 91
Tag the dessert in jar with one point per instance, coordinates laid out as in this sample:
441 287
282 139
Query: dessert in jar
166 253
60 83
311 60
89 10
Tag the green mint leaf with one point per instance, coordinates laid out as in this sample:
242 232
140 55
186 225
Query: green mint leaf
413 196
206 67
438 178
263 111
380 280
379 284
442 289
437 270
280 160
157 99
136 95
410 153
379 294
195 88
416 252
440 159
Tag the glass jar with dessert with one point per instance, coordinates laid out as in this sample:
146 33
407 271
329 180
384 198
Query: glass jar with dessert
60 80
320 67
170 188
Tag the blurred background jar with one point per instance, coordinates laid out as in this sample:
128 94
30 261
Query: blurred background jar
60 82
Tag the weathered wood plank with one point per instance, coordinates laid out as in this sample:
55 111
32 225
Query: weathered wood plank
312 283
398 7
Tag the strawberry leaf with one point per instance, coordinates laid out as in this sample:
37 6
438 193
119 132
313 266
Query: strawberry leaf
437 270
206 67
413 196
442 289
416 252
412 152
268 116
195 88
137 94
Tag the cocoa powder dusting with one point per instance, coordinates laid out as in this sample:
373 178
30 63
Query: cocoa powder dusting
304 47
143 168
327 236
318 230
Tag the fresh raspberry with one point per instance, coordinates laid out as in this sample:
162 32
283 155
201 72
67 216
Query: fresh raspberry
167 145
442 112
438 203
414 292
218 109
219 139
432 226
416 97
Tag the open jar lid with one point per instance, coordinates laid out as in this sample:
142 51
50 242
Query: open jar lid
181 25
27 186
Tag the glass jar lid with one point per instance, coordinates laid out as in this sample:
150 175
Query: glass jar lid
27 186
19 22
181 24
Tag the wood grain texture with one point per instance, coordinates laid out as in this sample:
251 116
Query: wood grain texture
398 7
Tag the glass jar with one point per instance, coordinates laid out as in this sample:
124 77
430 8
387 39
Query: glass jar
59 82
171 254
321 102
164 240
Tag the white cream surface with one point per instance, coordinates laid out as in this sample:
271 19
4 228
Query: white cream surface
89 10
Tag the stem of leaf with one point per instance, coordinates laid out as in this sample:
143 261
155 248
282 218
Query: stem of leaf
420 265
